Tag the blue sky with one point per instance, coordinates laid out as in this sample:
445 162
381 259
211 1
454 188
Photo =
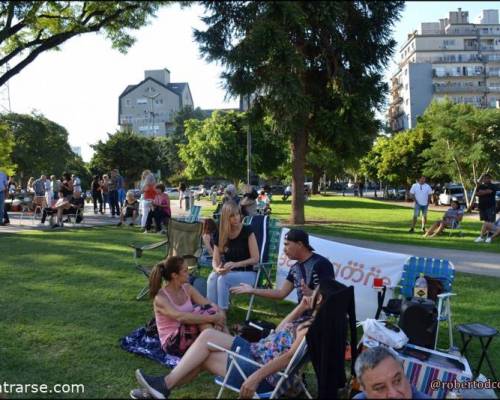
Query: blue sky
78 86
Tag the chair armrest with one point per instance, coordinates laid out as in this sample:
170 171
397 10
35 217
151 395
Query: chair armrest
446 295
239 356
262 265
151 246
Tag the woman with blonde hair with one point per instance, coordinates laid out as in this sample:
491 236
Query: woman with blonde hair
235 253
148 190
181 312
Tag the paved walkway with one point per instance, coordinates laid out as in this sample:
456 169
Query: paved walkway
474 262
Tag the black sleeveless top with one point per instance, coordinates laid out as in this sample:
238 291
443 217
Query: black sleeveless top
237 249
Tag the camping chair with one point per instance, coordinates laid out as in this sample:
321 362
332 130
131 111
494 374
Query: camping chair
75 217
434 268
183 239
298 360
268 233
26 207
39 202
455 228
194 215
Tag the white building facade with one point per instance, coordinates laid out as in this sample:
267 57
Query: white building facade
149 107
450 58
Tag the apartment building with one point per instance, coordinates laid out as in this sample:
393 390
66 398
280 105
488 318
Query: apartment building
149 107
450 58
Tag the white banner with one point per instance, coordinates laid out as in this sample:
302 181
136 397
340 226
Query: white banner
353 266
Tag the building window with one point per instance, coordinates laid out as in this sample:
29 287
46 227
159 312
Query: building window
450 42
142 100
128 102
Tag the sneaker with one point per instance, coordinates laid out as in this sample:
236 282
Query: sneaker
423 230
155 385
411 230
119 224
479 239
488 240
145 231
139 393
55 226
131 224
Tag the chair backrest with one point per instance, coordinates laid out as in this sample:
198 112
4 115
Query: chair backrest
194 214
433 267
268 232
184 238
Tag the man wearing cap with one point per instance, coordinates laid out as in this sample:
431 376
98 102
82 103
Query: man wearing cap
305 275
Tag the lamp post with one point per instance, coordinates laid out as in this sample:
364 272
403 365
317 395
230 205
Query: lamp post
151 113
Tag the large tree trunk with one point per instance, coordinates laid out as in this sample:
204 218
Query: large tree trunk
299 148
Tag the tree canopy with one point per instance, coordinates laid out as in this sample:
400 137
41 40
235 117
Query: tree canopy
7 141
28 28
127 151
305 68
40 145
216 146
465 142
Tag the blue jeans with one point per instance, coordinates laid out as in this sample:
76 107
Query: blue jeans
113 202
2 205
218 285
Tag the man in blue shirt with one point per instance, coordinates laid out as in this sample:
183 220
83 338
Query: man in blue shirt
3 195
381 376
305 275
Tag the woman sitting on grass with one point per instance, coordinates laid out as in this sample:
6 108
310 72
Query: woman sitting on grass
451 218
274 352
181 312
208 237
130 209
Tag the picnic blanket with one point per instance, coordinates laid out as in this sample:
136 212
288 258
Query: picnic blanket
138 342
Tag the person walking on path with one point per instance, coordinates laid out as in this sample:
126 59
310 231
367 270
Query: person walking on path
421 192
3 195
486 191
113 193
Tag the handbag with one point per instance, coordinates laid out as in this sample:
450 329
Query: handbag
249 331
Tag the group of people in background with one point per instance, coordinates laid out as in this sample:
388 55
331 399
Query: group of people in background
108 189
421 193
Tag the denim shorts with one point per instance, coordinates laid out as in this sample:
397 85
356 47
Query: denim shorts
235 379
419 208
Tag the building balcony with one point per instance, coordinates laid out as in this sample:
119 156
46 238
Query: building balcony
492 58
494 89
471 47
397 100
493 74
455 75
459 89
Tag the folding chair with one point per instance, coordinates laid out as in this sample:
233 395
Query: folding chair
26 208
435 268
194 215
72 217
268 233
297 361
183 239
455 228
39 202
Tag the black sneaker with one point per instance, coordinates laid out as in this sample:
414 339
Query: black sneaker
423 230
155 385
411 230
55 226
131 224
139 393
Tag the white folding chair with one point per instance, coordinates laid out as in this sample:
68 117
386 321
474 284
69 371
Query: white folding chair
292 369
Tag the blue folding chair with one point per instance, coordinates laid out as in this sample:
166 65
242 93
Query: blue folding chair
434 268
194 215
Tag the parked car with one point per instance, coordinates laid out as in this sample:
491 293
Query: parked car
173 193
451 192
396 194
198 191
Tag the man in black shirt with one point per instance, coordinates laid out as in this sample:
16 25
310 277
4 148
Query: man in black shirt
486 192
305 275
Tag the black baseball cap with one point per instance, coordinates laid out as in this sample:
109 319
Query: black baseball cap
298 235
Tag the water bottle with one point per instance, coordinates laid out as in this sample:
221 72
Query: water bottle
420 289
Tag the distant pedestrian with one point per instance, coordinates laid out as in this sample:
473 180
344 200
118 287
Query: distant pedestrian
77 183
3 194
287 193
95 186
421 192
148 190
486 191
113 194
105 191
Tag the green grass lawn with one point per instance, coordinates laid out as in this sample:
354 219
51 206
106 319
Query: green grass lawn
360 218
67 297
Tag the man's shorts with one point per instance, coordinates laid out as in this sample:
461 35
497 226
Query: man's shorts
487 214
419 208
